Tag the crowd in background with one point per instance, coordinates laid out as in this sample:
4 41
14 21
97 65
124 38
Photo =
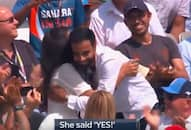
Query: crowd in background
96 59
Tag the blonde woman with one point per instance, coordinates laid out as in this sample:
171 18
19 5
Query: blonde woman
101 105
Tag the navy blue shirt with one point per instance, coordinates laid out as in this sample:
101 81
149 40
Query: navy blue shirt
54 13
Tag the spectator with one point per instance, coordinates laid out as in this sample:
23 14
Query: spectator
107 22
172 15
46 14
101 105
184 48
101 69
54 54
89 7
165 61
18 54
12 105
177 104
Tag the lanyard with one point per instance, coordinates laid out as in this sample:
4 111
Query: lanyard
20 61
17 60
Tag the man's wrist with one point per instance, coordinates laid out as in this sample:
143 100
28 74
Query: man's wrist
19 107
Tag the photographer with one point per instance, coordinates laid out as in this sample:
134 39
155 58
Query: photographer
17 59
12 103
12 106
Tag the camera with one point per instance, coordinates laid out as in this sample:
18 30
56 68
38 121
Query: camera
25 90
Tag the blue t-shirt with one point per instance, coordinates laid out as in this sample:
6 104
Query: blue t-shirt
55 13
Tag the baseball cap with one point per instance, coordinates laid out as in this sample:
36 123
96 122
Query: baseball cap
175 127
135 4
179 86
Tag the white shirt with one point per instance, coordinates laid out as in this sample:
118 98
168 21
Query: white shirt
133 92
185 51
110 30
67 77
49 122
167 10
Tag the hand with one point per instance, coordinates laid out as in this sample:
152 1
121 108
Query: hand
34 3
33 99
166 73
153 119
11 91
160 73
36 77
5 72
131 67
13 81
13 95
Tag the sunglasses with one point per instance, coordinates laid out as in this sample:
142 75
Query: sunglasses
9 20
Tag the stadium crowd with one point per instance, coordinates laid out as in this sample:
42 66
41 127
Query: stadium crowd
96 59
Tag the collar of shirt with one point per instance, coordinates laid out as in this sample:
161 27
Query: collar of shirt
112 9
13 56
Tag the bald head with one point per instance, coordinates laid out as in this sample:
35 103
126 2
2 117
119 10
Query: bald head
8 24
5 13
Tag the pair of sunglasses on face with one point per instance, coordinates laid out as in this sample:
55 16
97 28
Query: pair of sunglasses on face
9 20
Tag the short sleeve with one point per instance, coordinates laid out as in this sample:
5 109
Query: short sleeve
96 26
109 67
185 48
184 8
173 48
155 26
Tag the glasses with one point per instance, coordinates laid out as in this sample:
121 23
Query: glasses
9 20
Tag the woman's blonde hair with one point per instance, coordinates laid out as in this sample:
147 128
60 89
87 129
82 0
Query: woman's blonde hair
101 105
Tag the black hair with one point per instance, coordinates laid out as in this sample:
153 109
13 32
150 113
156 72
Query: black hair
80 34
54 54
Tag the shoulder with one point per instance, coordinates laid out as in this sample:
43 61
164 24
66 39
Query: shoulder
65 68
183 8
105 54
48 122
150 7
123 45
101 10
21 43
185 44
165 39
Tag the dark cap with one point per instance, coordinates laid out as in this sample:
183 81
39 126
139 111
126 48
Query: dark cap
135 4
179 86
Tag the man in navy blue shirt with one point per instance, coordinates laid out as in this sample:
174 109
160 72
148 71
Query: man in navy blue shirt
46 14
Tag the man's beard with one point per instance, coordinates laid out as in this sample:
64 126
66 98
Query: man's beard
88 73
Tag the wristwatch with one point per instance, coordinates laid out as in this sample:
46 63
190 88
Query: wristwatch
19 107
